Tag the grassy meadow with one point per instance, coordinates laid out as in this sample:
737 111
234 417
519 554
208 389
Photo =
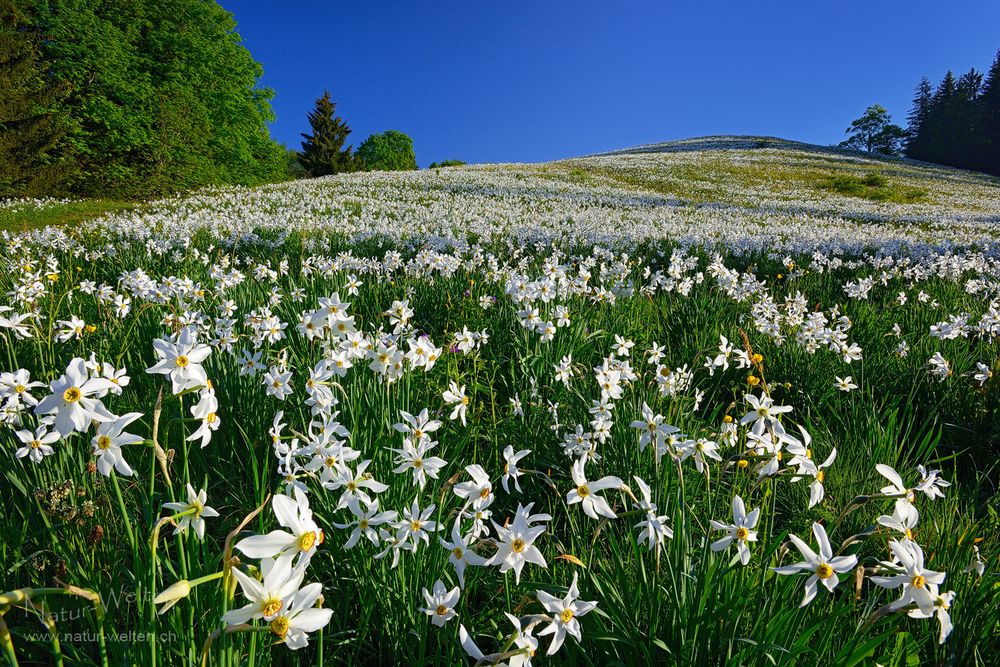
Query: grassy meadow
610 352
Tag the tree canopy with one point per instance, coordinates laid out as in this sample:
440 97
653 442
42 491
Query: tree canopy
160 95
389 151
875 132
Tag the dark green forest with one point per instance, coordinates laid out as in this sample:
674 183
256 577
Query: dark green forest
129 98
957 123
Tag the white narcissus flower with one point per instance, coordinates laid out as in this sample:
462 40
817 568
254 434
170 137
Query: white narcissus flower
461 555
302 537
441 603
585 493
566 613
73 400
181 360
196 510
277 383
109 441
268 597
206 409
823 566
299 617
355 485
763 412
652 427
36 445
17 387
367 519
654 528
515 545
455 395
741 530
478 487
414 458
896 489
845 384
510 469
920 585
903 519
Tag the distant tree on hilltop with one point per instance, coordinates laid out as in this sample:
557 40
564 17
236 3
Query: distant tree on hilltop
446 163
323 151
875 132
390 151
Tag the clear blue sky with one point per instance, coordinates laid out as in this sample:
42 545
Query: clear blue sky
526 81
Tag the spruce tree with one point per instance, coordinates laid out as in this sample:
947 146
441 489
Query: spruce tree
989 105
940 122
31 128
916 133
967 136
323 151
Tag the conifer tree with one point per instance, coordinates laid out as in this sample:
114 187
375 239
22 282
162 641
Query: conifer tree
323 151
916 133
990 117
967 138
940 121
31 128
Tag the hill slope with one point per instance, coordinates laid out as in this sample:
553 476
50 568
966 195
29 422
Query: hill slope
747 192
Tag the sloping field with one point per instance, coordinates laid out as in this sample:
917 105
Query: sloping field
730 400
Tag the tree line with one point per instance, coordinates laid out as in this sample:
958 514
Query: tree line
956 123
129 98
138 98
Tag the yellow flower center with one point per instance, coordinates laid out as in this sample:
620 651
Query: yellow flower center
72 395
104 442
458 552
307 541
35 444
824 571
742 533
20 389
821 476
418 463
182 361
415 526
566 616
441 610
210 417
351 486
909 534
517 546
279 626
918 581
742 463
583 490
271 607
485 493
363 524
417 434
